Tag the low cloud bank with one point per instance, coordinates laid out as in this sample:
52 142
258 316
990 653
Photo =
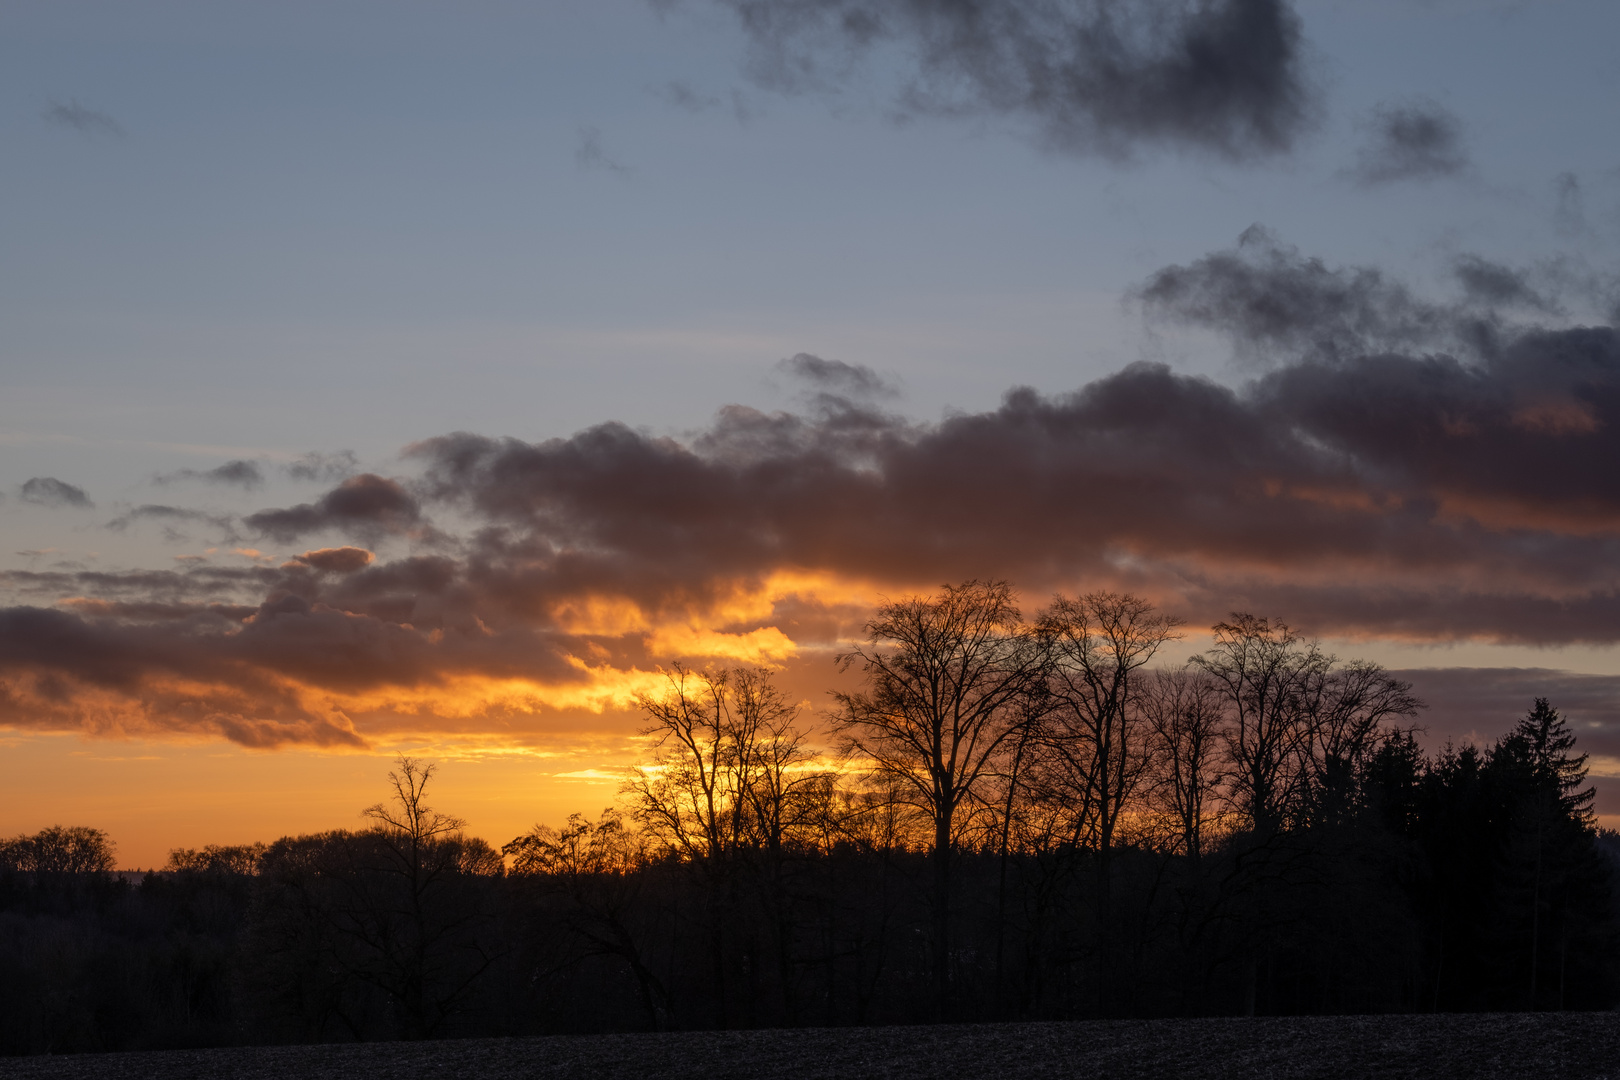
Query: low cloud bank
1399 467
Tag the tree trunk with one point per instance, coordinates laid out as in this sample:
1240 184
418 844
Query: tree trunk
1535 920
942 916
1105 965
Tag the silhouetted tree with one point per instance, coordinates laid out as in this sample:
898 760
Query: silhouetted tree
1092 726
1552 828
57 851
945 678
597 869
1184 717
1265 673
1029 823
731 789
381 930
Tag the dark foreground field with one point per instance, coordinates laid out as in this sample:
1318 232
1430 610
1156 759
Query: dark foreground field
1568 1045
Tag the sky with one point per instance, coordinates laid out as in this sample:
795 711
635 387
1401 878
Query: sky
428 378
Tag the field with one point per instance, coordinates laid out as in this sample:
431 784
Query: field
1569 1046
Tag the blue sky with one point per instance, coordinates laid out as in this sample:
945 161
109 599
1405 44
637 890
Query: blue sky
361 224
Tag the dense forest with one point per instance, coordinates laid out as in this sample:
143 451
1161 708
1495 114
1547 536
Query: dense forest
1010 819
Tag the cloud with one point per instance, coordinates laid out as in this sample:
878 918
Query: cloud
49 491
170 517
243 474
1225 76
835 377
342 560
1367 482
1273 303
161 652
1269 300
1569 214
84 120
1412 495
1495 285
683 95
589 154
368 504
1416 140
329 468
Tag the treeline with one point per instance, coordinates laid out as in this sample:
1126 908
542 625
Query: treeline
1010 818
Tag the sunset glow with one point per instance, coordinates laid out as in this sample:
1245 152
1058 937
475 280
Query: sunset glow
448 397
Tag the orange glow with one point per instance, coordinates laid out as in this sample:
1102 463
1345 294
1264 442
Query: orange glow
1354 499
168 762
1572 517
1557 417
153 795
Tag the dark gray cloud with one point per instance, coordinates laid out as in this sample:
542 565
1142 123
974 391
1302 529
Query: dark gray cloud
1494 285
189 651
1272 301
837 378
1275 304
589 154
77 117
1415 140
1383 493
239 473
49 491
367 505
1092 76
327 468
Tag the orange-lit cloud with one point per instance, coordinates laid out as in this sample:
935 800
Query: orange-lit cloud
1372 485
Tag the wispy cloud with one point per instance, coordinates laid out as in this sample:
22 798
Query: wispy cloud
683 95
318 466
590 155
49 491
172 519
1414 140
837 379
239 473
77 117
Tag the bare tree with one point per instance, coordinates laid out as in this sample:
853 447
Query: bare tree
1351 709
1266 674
414 928
409 823
1298 723
1184 715
1092 728
1296 730
945 678
731 777
597 868
1097 644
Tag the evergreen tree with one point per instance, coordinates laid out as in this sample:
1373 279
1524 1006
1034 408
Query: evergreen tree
1550 871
